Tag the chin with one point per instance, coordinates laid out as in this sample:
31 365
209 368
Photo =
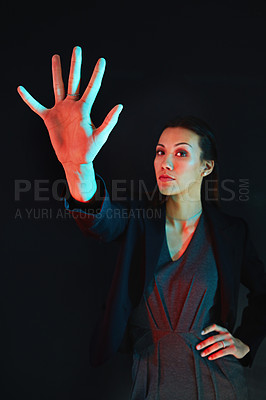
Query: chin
167 191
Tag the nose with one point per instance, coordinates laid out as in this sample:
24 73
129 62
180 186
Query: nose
167 163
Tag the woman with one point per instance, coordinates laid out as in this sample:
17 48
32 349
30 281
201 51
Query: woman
173 298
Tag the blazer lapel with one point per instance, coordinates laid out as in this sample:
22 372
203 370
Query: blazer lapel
223 234
224 237
154 235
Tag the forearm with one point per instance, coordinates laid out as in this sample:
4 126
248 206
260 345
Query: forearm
81 181
99 217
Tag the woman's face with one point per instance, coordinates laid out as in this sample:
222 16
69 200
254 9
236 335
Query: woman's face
178 156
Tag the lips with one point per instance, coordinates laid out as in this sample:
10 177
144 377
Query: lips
165 178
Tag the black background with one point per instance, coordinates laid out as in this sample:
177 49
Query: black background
203 58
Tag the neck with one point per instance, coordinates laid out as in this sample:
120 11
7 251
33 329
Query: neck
179 211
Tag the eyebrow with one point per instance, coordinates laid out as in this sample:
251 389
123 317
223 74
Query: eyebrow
177 144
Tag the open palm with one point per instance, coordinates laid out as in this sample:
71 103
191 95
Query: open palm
74 137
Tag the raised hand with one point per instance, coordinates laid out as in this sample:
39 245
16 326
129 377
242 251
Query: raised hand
74 137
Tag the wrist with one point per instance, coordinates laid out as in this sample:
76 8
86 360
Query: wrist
81 181
245 347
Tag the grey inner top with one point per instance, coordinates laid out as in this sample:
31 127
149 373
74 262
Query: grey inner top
183 293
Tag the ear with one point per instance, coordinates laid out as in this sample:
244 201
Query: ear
208 167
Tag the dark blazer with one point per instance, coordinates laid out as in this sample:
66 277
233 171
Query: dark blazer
140 230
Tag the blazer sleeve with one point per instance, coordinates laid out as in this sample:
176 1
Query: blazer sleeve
100 218
252 329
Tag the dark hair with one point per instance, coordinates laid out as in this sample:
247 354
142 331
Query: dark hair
207 144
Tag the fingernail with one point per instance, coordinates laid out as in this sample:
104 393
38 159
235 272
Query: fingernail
102 62
202 332
198 346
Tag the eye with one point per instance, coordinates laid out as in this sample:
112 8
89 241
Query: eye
179 152
182 152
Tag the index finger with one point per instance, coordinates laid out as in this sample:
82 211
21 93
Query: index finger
213 327
31 102
94 85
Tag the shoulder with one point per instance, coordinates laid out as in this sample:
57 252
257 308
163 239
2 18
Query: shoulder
223 218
